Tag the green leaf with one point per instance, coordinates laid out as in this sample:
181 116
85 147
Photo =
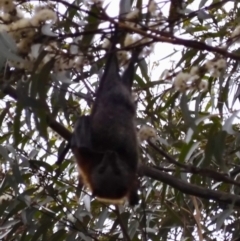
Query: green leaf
38 164
202 3
124 7
229 123
219 147
41 230
16 172
8 41
71 236
189 120
222 217
59 235
17 123
4 113
102 218
144 69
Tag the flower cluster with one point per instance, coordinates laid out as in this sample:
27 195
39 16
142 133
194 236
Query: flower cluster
23 30
215 67
156 21
191 80
25 27
147 133
180 81
7 6
136 39
123 57
40 17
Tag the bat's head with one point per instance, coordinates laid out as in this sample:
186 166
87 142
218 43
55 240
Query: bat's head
112 178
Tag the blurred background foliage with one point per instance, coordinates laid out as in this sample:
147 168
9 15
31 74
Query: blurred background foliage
50 66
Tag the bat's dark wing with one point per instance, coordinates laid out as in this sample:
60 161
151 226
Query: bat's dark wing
81 142
81 137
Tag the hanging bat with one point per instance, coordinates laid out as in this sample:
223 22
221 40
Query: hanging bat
105 143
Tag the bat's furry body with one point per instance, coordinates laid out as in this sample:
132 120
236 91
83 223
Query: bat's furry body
105 143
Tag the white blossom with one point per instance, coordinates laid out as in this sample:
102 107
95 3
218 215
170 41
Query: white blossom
194 70
42 16
221 64
209 65
147 132
216 73
133 14
122 56
215 67
135 39
10 17
7 5
19 14
193 78
6 17
20 24
106 43
180 81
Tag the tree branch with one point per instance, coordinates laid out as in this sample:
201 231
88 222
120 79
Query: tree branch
207 172
151 172
188 188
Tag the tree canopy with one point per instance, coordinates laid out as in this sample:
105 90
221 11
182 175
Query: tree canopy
52 55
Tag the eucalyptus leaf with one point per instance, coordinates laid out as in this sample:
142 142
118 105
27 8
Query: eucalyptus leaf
203 15
87 202
202 3
124 7
102 218
4 153
8 41
229 122
4 51
222 217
